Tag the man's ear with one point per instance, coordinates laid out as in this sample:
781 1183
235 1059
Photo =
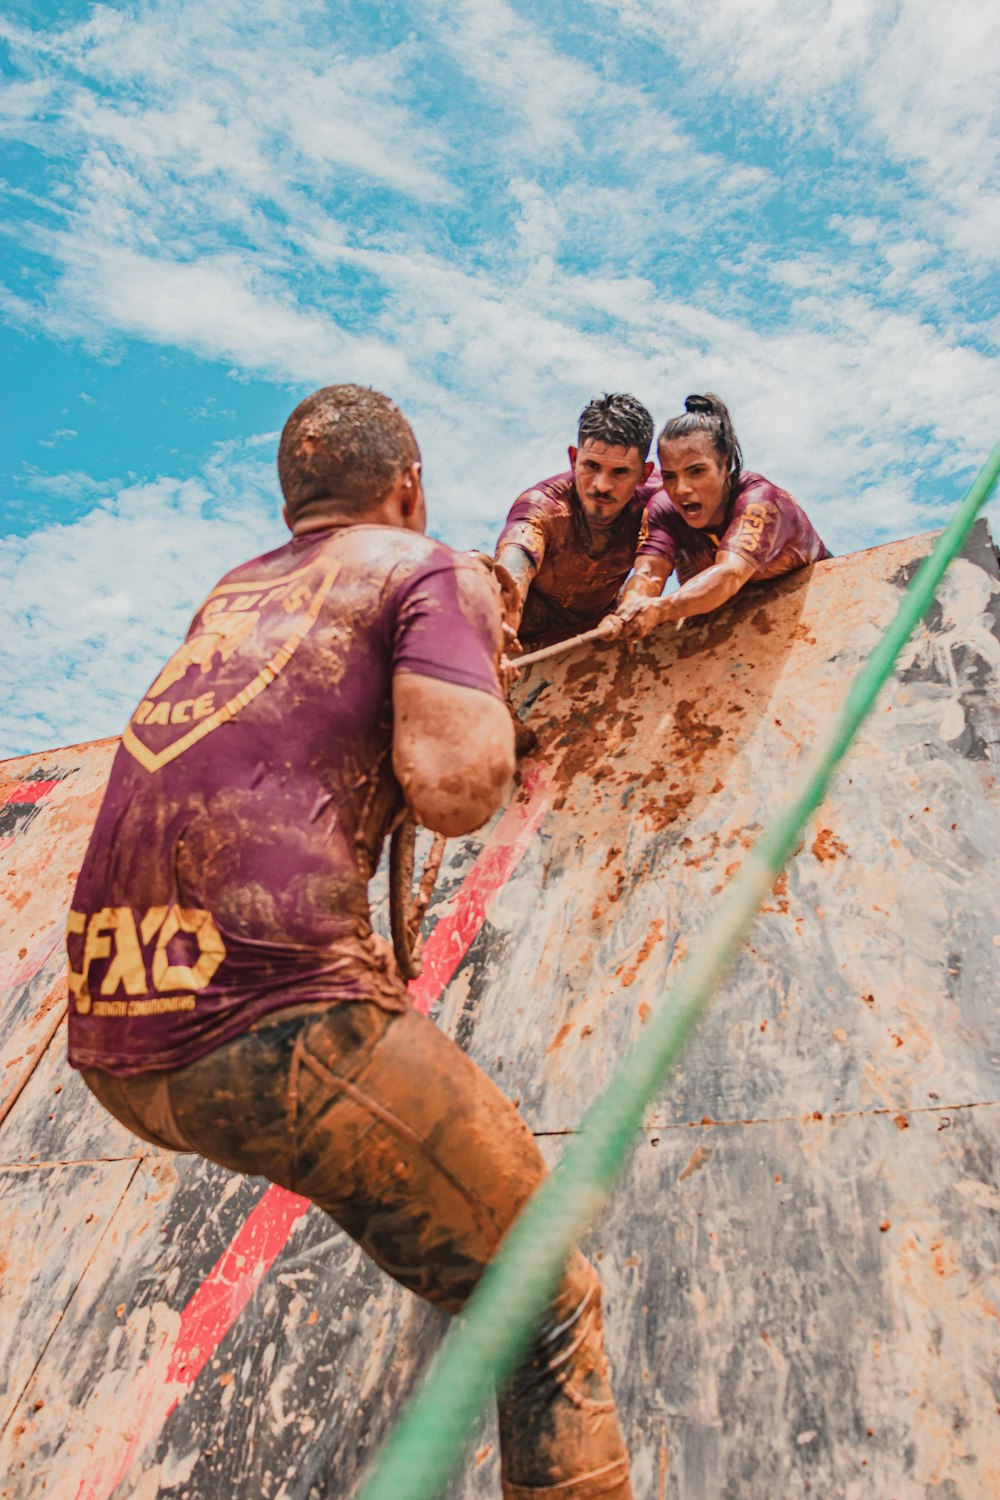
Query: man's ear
572 455
410 490
648 468
286 517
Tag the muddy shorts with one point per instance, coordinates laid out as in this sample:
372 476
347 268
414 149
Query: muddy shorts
384 1123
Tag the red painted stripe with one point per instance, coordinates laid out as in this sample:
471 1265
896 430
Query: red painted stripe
236 1275
15 970
25 791
232 1281
204 1323
498 859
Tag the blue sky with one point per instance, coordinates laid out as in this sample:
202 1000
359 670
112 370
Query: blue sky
492 211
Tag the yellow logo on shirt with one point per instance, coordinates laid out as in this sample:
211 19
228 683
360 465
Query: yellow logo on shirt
748 533
181 696
112 933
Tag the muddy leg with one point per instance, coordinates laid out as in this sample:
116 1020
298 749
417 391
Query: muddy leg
386 1124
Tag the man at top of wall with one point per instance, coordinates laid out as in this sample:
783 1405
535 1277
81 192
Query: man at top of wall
569 542
719 526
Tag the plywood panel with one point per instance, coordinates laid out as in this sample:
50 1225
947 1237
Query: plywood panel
801 1262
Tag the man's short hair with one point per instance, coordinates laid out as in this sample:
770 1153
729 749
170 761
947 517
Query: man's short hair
619 420
341 449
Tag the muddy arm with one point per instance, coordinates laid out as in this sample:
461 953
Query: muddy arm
452 751
518 570
699 596
647 581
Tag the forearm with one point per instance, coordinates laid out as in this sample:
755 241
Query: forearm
648 578
452 752
704 593
520 569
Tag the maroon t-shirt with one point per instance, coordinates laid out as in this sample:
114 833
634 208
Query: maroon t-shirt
227 873
763 524
580 569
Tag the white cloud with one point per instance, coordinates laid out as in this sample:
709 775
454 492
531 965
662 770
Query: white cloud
906 86
96 606
222 307
266 189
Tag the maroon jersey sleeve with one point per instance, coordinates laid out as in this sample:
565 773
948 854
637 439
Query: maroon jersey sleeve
447 624
661 534
527 525
770 530
754 530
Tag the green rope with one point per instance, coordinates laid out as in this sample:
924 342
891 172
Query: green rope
498 1323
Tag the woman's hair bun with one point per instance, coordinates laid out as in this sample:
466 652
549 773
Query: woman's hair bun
699 403
709 414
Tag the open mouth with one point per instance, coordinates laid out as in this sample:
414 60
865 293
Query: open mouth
691 507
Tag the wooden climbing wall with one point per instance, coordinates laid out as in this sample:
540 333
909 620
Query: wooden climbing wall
802 1260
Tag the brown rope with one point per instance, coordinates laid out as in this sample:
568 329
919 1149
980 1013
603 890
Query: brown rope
544 652
406 909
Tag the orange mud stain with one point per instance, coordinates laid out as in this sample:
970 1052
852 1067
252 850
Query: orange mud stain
943 1262
699 1157
662 1470
482 1454
826 845
901 1122
701 640
839 1034
659 813
628 974
644 1012
597 911
578 670
560 1037
698 736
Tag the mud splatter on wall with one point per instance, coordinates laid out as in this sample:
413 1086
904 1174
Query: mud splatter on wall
801 1294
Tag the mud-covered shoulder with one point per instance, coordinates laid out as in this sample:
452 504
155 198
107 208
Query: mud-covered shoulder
387 553
754 487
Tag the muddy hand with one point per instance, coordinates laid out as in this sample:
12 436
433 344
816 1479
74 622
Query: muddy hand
637 616
610 628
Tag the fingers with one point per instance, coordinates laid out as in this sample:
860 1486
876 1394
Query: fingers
638 618
610 628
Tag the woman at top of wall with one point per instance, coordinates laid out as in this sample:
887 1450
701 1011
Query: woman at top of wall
716 524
